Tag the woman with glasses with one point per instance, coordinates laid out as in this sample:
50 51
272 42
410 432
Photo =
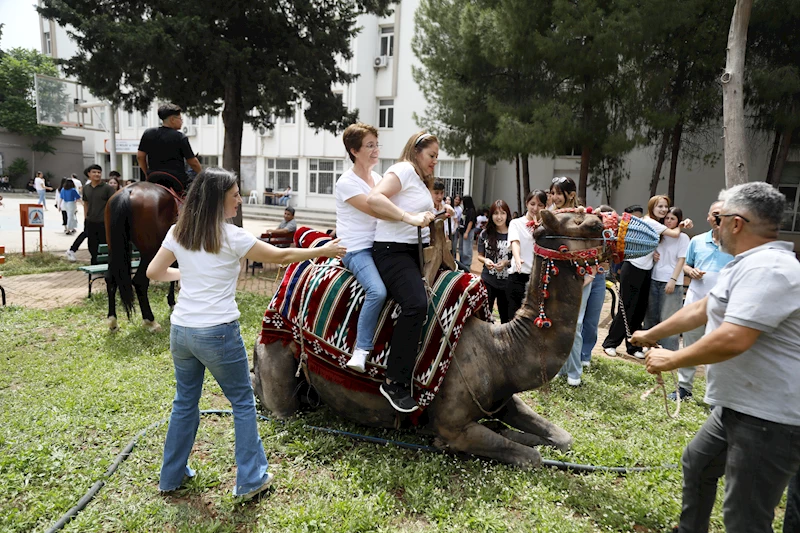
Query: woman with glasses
355 226
402 199
634 281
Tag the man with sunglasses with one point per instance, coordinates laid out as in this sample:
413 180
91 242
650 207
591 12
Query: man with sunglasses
704 260
752 349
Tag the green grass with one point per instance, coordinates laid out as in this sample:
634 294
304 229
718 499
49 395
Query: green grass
74 395
35 263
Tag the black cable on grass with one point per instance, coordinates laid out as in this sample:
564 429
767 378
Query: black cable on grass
124 454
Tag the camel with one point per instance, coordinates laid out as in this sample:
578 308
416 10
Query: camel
493 363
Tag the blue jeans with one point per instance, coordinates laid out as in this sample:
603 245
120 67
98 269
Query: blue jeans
221 350
661 306
591 319
572 366
41 196
757 458
284 200
361 264
466 249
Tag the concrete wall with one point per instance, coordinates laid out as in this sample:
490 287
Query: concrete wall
67 159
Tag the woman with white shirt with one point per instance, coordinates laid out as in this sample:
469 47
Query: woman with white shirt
205 324
666 280
521 239
403 200
355 226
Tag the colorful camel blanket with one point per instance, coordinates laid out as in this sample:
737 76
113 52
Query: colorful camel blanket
317 306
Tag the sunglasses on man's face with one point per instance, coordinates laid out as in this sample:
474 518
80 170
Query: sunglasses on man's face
718 217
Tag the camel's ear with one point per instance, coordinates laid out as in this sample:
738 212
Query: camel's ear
549 220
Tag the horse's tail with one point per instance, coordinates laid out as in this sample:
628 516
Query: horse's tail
119 246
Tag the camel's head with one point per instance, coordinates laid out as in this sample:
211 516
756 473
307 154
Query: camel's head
575 229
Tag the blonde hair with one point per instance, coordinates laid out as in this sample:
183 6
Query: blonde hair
415 145
353 137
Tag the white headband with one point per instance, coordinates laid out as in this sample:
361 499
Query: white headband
421 137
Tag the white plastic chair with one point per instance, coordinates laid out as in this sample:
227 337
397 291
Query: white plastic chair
253 197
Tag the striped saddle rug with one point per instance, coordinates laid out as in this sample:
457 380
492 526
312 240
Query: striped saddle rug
317 307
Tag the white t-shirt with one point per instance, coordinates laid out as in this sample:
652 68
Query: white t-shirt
354 227
481 221
78 184
414 197
38 184
208 281
646 262
670 249
518 231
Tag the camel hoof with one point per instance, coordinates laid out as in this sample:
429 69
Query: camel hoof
151 326
113 326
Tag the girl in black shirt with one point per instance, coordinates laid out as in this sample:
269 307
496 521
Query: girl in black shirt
494 251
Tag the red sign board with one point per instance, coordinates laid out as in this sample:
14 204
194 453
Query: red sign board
31 215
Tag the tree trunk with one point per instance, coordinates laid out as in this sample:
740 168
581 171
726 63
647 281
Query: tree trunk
783 153
233 119
677 133
586 152
526 175
662 154
519 186
733 96
773 155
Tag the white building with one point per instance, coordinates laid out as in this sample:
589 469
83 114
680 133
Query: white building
387 97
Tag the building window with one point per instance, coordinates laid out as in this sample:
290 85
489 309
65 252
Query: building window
143 120
193 121
211 120
48 44
790 187
291 118
208 160
322 174
386 113
387 41
130 119
572 151
282 173
137 174
452 174
385 164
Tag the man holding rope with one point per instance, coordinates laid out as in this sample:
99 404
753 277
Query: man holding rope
752 349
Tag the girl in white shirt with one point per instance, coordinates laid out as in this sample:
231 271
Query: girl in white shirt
521 239
205 327
666 280
403 200
355 225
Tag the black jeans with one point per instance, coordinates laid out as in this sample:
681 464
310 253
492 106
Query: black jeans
398 264
791 521
515 292
96 233
498 294
757 458
634 289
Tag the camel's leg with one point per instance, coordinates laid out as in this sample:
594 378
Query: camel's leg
480 440
539 430
274 367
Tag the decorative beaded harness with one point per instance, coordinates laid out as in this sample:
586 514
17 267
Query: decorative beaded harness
611 242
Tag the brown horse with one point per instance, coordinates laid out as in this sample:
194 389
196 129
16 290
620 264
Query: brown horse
141 214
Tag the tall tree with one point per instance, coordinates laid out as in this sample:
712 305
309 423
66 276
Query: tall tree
253 60
773 78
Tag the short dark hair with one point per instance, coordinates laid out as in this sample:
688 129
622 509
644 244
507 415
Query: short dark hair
354 135
114 174
90 168
290 209
438 185
168 110
635 207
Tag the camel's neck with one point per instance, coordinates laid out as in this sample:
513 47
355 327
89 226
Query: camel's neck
531 354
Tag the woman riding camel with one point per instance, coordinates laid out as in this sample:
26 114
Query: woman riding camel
205 327
403 200
355 225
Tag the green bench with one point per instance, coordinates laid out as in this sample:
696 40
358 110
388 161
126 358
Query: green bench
95 272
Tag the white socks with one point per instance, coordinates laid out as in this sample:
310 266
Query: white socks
359 360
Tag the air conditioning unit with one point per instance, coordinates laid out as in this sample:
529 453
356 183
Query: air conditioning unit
189 131
381 62
265 132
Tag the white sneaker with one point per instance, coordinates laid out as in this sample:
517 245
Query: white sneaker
586 364
611 352
638 354
71 256
253 493
358 361
573 382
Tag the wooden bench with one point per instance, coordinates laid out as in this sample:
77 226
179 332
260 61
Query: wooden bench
281 241
95 272
2 260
